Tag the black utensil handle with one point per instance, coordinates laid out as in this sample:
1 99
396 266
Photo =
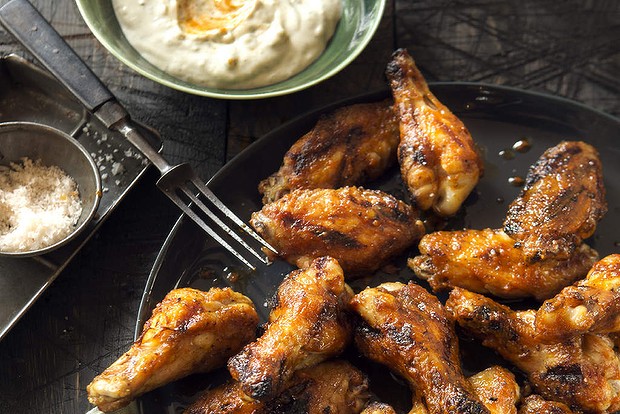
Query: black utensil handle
26 24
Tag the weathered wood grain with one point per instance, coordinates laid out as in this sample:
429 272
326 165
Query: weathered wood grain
85 320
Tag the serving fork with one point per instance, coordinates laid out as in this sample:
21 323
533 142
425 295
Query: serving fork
179 182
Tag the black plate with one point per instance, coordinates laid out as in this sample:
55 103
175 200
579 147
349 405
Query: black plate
497 117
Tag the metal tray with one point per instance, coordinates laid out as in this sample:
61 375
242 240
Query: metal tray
28 93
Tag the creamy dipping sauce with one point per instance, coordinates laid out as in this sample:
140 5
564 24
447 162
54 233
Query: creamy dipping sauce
232 44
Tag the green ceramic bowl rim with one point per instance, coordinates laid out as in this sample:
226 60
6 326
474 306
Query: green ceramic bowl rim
239 94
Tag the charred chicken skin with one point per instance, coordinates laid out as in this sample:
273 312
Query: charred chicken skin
361 228
591 305
189 331
310 322
407 329
330 387
562 201
349 146
438 158
582 372
487 261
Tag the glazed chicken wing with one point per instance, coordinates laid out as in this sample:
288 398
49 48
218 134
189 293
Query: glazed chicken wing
189 331
497 389
361 228
348 146
535 404
407 329
582 372
310 322
438 158
487 261
590 305
563 199
330 387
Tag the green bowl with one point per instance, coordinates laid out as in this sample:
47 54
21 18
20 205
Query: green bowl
357 25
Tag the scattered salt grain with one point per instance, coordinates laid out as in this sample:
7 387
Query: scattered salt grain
117 168
39 206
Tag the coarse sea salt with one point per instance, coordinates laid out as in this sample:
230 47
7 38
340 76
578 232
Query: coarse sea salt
39 206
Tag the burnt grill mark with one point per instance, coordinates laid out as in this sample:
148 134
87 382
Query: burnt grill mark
463 402
315 146
402 336
352 138
304 158
330 237
288 219
363 203
418 155
394 70
494 323
335 238
570 375
321 262
365 331
550 162
412 154
261 389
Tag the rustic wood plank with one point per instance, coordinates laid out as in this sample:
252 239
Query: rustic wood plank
85 320
565 48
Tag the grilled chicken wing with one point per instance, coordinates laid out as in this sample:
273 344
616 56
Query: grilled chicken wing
497 389
563 199
590 305
330 387
535 404
437 155
487 261
361 228
348 146
583 372
407 329
309 323
189 331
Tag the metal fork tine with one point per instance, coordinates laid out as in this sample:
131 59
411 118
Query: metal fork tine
220 223
191 214
222 207
185 189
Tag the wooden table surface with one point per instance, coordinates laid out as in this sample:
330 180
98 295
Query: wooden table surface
85 320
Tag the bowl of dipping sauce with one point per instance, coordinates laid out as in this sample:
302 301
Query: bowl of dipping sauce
234 49
50 189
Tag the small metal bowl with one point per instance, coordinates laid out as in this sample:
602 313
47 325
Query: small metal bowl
53 147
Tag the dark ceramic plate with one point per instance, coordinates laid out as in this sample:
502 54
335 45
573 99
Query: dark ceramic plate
497 117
